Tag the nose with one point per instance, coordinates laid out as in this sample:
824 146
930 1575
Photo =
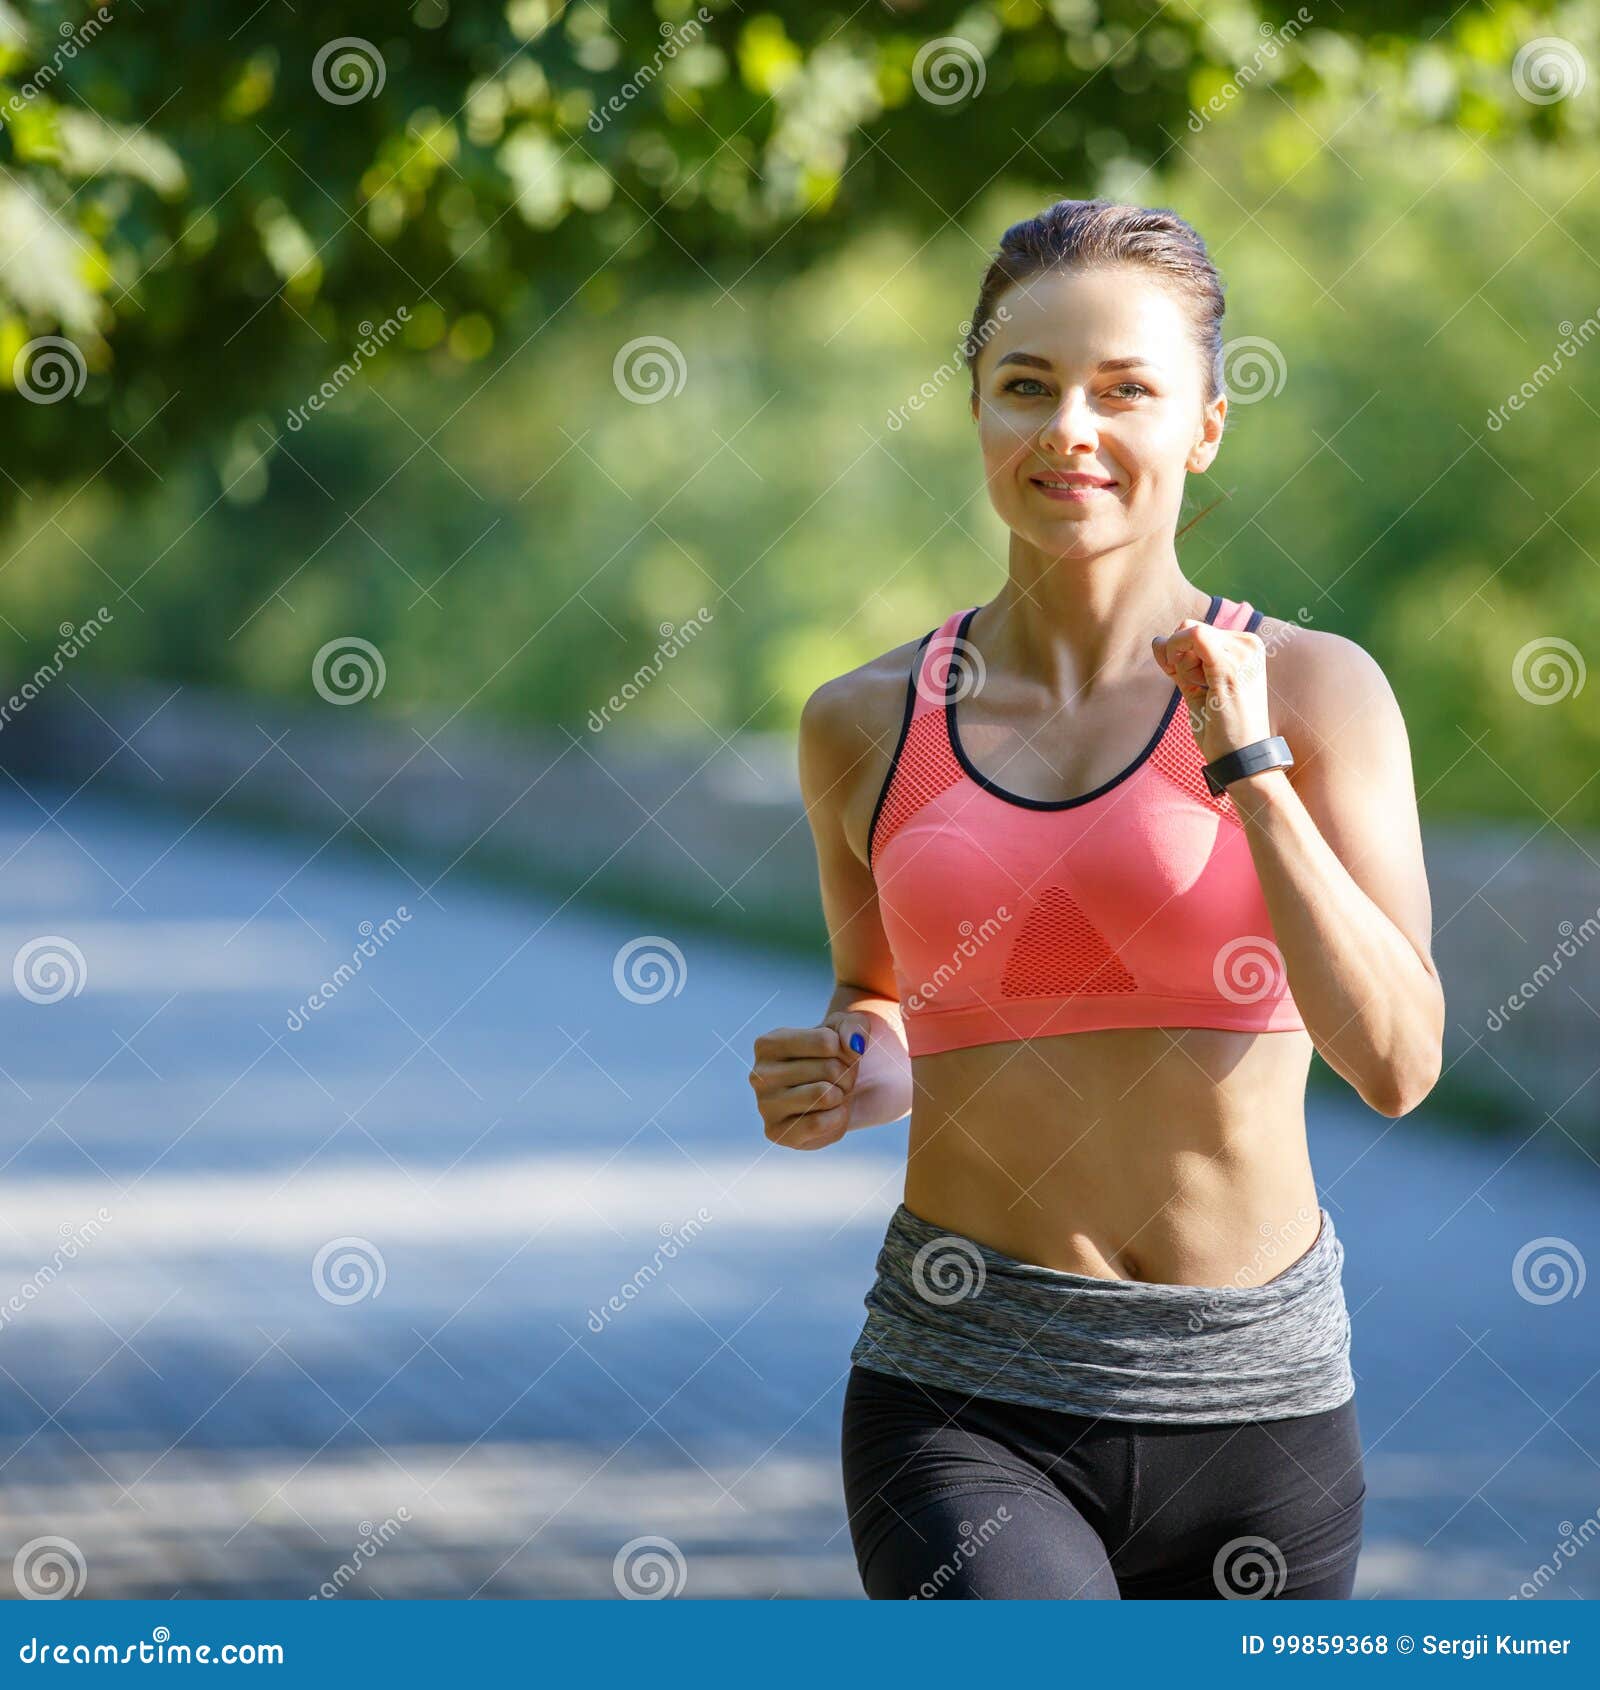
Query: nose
1071 429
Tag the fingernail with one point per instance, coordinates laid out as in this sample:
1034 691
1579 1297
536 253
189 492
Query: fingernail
857 1043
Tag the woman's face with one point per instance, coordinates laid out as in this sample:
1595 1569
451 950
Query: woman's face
1050 404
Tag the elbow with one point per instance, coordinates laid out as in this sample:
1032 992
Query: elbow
1402 1090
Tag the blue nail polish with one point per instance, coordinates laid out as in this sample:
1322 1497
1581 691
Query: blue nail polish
857 1043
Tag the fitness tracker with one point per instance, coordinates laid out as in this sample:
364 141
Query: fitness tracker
1251 759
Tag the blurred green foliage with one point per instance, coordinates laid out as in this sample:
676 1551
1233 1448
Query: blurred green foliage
211 216
481 499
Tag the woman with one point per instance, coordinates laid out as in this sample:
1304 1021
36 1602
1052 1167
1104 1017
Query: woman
1107 1350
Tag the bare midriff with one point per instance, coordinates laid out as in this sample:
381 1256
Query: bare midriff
1172 1155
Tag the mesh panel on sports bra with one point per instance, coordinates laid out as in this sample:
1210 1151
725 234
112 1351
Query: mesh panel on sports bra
1060 951
927 767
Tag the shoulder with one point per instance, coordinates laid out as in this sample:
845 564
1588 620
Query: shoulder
856 716
1325 687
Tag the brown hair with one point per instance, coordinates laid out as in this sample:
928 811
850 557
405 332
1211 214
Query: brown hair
1084 234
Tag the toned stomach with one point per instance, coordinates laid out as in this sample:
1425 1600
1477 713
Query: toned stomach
1170 1155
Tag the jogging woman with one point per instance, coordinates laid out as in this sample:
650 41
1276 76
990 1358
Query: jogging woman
1089 940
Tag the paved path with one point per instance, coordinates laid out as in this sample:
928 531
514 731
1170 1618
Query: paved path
205 1399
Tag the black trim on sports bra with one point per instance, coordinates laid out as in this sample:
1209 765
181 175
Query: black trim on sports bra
899 744
1051 803
1254 622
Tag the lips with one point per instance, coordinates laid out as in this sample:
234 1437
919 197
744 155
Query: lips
1071 481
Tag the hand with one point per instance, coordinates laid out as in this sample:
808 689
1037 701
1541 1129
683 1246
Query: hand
1222 674
804 1080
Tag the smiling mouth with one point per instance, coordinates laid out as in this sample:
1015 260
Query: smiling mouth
1070 489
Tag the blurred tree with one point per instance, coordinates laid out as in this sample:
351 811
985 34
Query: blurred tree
197 221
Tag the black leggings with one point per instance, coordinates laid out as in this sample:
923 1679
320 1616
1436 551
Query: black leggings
956 1495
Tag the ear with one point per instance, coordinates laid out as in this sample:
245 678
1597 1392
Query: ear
1205 449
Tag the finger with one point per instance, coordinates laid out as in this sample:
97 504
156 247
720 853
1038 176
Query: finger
855 1032
772 1077
810 1132
783 1044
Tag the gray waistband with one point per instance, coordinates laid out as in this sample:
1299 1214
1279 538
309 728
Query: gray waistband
948 1311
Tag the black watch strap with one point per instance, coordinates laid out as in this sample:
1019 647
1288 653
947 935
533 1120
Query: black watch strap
1251 759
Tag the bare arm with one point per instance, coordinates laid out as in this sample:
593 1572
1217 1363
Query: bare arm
1338 848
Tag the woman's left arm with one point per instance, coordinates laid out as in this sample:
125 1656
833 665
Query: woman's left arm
1338 847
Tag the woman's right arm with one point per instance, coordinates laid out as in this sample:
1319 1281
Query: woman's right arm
811 1086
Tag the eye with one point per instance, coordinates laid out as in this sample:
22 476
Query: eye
1137 386
1019 381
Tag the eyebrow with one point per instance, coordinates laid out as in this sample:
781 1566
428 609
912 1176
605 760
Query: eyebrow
1033 361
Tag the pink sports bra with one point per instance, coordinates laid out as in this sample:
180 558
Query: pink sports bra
1134 905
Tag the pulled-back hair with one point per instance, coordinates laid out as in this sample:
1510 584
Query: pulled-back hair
1097 233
